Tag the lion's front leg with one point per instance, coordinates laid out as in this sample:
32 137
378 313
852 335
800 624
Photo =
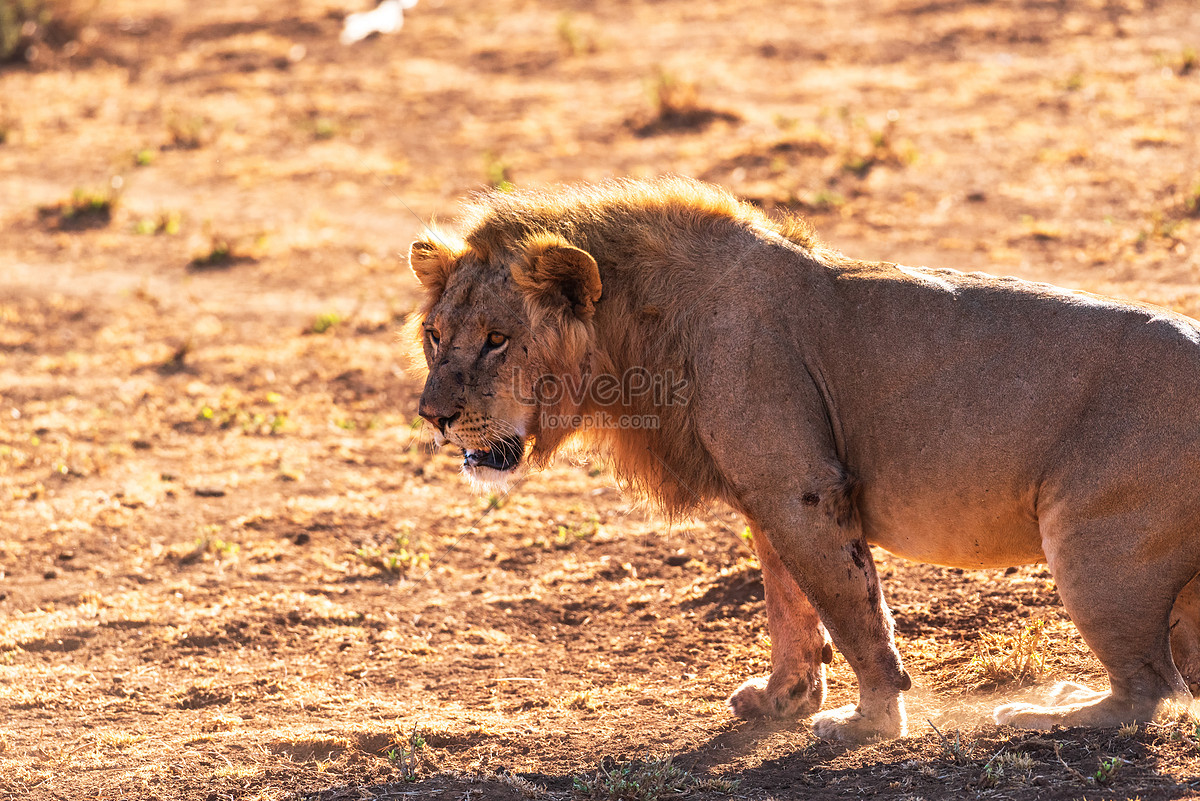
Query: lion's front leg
831 562
796 686
799 495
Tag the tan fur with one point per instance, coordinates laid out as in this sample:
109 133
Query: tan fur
956 419
432 259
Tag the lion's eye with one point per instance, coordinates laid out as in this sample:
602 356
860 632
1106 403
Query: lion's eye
496 339
434 339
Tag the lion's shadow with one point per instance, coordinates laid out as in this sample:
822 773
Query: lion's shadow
1065 762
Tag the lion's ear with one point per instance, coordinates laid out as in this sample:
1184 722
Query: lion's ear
557 275
432 260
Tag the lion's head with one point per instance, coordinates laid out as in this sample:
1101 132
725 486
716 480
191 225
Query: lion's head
496 326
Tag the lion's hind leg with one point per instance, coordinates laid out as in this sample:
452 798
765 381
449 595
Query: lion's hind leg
1124 622
1185 635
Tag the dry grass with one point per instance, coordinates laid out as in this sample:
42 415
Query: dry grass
584 700
676 106
84 209
648 780
120 740
26 26
1009 660
221 254
522 786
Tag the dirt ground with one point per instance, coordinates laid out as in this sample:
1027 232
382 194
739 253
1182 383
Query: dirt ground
230 566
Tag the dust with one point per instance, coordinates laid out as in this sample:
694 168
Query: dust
927 707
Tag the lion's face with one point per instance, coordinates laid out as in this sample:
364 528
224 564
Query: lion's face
476 343
493 330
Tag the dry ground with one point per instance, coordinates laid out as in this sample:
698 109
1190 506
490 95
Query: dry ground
230 568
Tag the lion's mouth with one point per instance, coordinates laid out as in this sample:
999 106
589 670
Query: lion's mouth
504 455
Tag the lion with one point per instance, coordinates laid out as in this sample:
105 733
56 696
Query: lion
950 418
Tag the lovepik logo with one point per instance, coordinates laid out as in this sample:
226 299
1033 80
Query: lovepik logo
637 387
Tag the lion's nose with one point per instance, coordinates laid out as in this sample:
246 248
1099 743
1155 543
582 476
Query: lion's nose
436 418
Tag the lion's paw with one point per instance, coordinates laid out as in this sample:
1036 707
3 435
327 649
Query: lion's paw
1083 709
786 698
1006 714
849 724
750 700
1068 692
1029 716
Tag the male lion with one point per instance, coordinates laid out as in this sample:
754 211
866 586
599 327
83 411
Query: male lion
950 418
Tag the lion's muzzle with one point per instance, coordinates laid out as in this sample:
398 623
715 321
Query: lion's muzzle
503 455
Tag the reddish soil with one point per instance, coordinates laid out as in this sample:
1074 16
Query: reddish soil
230 567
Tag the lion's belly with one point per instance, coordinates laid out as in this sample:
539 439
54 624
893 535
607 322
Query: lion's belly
969 533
